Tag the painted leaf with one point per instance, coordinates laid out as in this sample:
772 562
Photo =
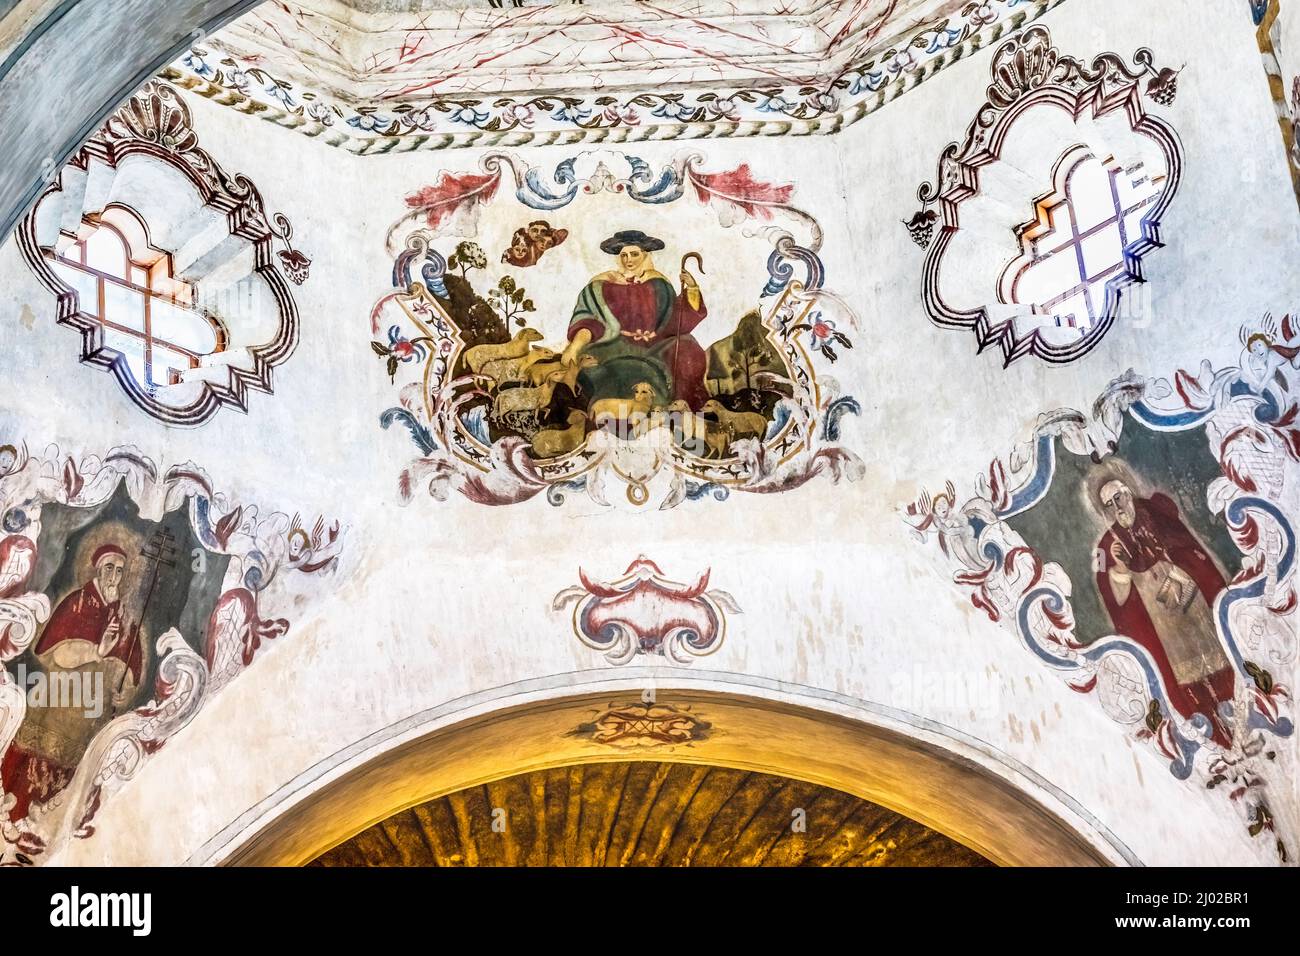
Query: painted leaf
226 526
451 193
739 192
72 480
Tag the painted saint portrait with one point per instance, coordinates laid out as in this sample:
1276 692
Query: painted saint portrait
1157 582
115 581
1148 558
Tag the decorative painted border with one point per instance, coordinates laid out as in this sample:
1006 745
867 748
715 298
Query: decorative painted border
1028 71
1264 14
155 122
1249 415
264 550
644 612
815 108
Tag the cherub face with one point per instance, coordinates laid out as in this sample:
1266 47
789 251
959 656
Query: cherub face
1258 347
7 461
941 507
540 235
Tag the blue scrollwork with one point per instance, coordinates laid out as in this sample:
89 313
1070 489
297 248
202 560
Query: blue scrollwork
837 409
1236 514
696 490
419 434
1029 493
535 193
556 493
644 186
432 271
780 267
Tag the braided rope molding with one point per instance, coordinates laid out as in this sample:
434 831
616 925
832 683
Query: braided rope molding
829 123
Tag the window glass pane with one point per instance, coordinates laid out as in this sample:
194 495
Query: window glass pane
1102 251
85 284
131 347
1049 278
105 252
1090 194
123 306
181 327
140 277
164 359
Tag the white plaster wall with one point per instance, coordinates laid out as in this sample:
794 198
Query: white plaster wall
436 601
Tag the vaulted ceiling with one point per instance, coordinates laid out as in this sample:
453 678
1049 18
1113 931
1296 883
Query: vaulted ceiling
365 51
645 813
432 73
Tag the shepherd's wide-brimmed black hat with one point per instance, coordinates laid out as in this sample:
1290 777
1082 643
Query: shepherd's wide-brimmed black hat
631 237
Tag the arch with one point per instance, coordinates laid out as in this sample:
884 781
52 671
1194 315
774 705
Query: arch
933 774
100 40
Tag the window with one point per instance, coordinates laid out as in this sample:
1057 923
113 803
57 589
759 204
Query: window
144 312
190 312
1034 241
1076 243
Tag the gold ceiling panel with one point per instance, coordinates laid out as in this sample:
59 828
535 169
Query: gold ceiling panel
646 813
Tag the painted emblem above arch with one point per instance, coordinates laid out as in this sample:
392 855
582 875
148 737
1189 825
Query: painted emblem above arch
645 613
592 370
1049 281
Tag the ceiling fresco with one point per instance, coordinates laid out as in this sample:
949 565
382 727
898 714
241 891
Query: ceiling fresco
663 389
433 75
868 478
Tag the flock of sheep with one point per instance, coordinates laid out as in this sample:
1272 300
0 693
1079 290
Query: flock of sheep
523 378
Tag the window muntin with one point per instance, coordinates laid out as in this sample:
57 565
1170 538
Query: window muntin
144 311
1076 243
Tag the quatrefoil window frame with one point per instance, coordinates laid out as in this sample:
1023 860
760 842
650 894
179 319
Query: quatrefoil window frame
1029 72
156 123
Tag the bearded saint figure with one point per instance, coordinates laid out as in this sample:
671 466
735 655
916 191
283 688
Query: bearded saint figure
86 636
638 327
87 625
1158 583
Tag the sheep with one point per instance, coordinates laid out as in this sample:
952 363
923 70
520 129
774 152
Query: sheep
517 347
634 409
503 371
732 426
524 399
554 442
716 439
688 428
538 373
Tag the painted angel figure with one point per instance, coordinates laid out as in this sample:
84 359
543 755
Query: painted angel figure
958 531
1262 359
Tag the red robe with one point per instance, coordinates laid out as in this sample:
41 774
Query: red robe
83 616
642 317
1158 533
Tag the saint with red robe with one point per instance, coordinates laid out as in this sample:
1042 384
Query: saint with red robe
86 635
1158 583
87 625
638 327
